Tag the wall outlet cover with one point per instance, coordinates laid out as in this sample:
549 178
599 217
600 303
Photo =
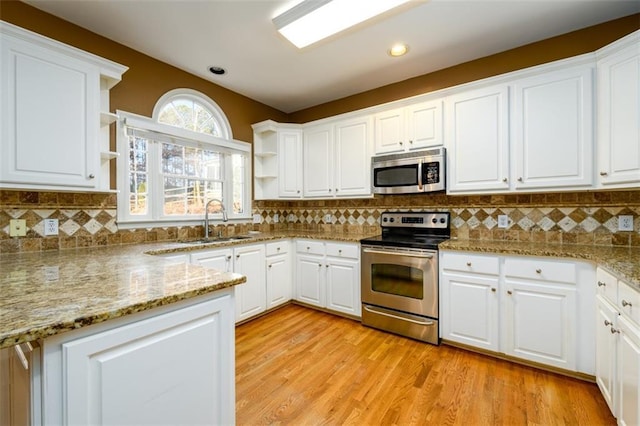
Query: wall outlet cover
276 218
625 222
327 218
17 228
503 221
50 227
257 218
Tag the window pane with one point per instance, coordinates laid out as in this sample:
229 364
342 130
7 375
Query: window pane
172 159
238 164
212 165
138 193
190 115
175 196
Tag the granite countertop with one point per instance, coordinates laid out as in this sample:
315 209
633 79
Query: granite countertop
623 262
46 293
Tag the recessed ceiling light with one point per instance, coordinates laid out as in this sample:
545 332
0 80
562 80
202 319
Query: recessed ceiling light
217 70
398 49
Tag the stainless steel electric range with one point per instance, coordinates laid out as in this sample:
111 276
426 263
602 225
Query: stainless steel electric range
400 274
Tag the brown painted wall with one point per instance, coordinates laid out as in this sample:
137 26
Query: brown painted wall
571 44
147 79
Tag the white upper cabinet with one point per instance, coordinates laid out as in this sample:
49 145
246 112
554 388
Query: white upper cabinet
413 127
54 114
619 113
337 159
277 152
477 137
552 129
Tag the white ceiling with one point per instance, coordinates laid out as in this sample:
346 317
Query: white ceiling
239 36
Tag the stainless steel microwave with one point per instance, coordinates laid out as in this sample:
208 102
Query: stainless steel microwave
410 172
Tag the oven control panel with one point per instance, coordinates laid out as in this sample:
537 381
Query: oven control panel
415 220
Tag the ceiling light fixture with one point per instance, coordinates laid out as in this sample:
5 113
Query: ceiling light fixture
217 70
398 50
313 20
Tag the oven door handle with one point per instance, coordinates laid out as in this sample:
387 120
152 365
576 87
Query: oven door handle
419 256
386 314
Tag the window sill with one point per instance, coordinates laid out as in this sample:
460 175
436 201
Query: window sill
145 224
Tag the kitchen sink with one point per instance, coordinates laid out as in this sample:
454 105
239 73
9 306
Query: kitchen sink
212 240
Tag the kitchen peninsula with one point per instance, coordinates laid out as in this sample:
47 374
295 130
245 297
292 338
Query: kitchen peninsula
121 328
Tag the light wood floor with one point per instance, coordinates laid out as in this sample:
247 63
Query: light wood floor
298 366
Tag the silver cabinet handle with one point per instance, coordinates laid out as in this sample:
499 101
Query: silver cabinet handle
601 284
538 271
625 303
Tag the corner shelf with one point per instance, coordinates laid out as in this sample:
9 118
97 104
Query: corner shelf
107 118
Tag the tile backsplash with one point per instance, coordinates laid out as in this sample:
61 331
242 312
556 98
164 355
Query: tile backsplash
89 219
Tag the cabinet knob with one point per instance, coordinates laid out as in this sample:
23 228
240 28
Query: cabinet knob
625 303
319 265
329 189
411 142
469 264
326 266
269 266
601 284
505 180
229 257
400 142
237 256
493 289
538 271
509 292
614 331
92 176
278 248
520 179
298 191
340 251
336 189
603 173
308 248
607 323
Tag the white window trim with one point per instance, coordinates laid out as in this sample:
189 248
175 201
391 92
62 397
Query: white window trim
152 219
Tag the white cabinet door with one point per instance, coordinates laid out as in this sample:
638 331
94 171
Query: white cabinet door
290 163
470 310
553 129
318 158
50 117
310 278
424 124
606 343
477 138
279 283
619 114
628 373
173 368
250 296
352 166
343 285
389 131
221 259
540 323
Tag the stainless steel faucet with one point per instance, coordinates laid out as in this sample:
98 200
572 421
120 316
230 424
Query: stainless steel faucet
206 216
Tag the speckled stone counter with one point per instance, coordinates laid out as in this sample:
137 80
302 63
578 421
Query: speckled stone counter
622 261
46 293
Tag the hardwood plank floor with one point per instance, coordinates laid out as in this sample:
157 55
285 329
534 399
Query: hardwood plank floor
298 366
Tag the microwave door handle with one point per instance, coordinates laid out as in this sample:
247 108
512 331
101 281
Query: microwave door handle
420 174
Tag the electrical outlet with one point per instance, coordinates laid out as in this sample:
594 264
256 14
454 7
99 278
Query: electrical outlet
625 222
327 218
50 227
503 221
276 218
257 218
17 228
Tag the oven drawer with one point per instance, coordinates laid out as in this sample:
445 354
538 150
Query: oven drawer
310 247
470 263
539 269
343 250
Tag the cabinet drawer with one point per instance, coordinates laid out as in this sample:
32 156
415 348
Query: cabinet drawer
310 247
629 301
607 285
470 263
343 250
277 247
538 269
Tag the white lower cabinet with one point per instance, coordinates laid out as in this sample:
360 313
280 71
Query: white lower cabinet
525 307
618 347
279 284
169 365
328 275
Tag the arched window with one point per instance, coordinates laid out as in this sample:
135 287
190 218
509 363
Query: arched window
191 110
179 160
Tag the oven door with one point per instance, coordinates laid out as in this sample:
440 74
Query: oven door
402 279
